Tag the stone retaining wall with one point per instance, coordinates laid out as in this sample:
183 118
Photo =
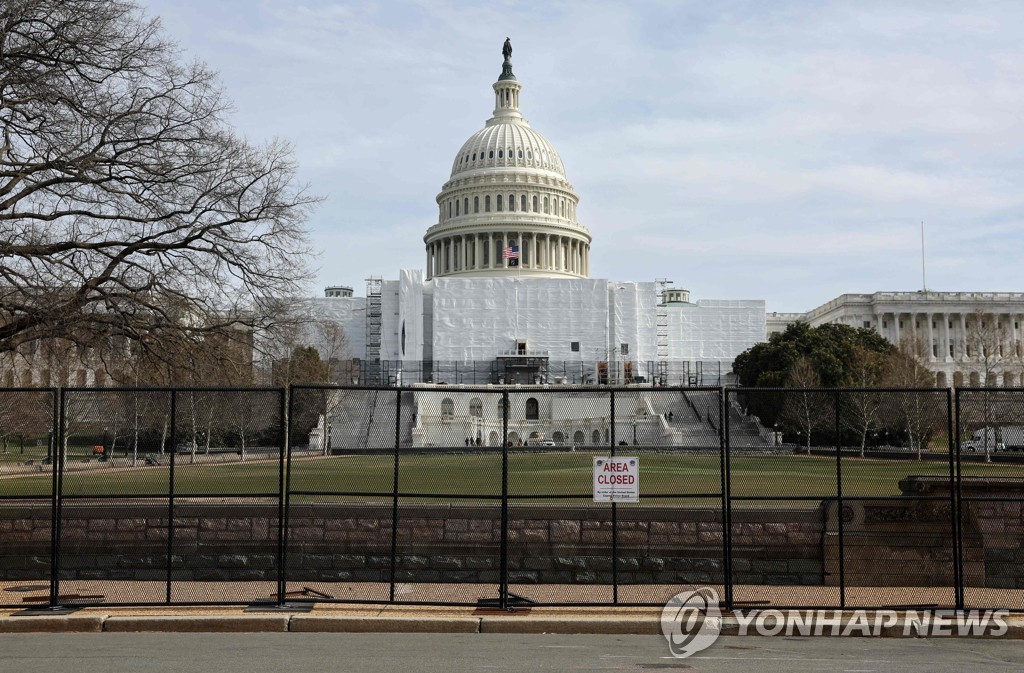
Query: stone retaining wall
433 543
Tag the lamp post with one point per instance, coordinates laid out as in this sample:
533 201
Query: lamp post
634 432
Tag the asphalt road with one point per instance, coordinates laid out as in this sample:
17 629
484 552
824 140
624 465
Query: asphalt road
430 653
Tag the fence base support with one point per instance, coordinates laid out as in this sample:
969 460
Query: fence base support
513 601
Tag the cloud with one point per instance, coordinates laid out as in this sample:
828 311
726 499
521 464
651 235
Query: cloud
785 151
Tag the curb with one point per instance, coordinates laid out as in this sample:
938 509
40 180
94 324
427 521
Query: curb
55 624
634 626
323 624
646 625
199 624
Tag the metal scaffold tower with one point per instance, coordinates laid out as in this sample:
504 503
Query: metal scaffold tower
373 329
661 327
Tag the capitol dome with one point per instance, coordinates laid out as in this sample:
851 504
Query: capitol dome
507 193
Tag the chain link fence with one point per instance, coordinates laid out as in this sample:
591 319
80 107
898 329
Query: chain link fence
485 495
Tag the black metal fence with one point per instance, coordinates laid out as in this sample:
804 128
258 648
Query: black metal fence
483 495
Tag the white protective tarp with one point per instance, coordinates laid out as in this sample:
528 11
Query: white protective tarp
635 316
479 318
410 314
715 329
347 312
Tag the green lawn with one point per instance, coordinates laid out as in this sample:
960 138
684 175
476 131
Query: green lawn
480 474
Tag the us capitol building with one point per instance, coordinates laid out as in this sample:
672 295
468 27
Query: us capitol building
507 295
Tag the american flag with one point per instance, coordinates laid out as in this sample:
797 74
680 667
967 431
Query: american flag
511 252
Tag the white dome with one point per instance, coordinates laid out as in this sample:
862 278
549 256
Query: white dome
507 207
511 144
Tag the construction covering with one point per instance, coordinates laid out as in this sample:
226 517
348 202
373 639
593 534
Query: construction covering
482 318
714 329
347 312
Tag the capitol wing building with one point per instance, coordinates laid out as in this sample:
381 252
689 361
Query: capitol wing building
507 296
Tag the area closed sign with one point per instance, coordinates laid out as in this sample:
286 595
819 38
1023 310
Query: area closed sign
616 479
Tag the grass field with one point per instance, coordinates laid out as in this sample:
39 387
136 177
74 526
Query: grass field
556 474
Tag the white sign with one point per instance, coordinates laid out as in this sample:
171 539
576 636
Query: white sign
616 479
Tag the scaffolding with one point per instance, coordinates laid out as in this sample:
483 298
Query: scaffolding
661 327
373 328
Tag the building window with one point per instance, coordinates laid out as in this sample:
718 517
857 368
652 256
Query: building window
950 350
574 346
499 202
522 203
465 205
511 202
867 324
487 204
447 407
885 324
501 154
520 154
624 349
535 204
490 155
532 409
476 407
456 207
476 204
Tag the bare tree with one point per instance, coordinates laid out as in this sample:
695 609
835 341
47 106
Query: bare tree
991 352
128 206
805 409
863 407
919 413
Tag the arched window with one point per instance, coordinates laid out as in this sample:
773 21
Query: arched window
501 406
975 379
595 437
563 208
511 202
940 380
501 154
476 204
529 155
558 437
465 205
522 203
474 156
449 208
547 210
476 407
487 204
456 207
958 379
447 407
520 154
490 155
577 437
499 202
532 409
535 203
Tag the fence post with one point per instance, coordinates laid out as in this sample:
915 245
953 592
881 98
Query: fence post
170 493
615 514
58 414
394 500
839 499
284 484
724 443
503 579
956 504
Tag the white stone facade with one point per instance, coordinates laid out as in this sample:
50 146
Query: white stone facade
955 328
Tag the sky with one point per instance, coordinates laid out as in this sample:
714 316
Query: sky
785 151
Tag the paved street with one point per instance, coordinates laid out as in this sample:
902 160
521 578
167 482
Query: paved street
430 653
